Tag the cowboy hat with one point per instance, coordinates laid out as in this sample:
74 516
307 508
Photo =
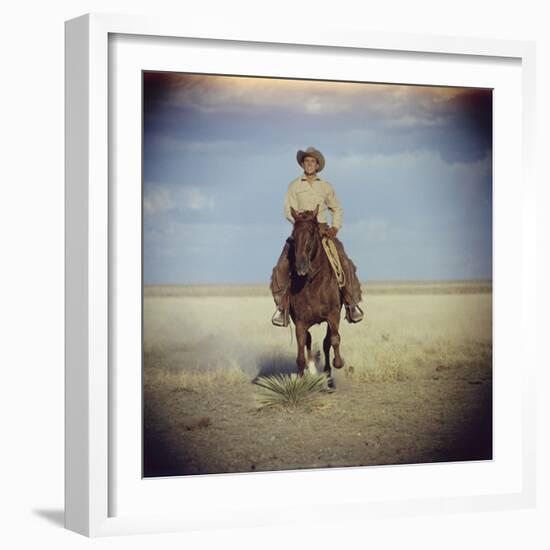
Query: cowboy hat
311 152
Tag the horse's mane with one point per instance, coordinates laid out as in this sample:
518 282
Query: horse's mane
305 216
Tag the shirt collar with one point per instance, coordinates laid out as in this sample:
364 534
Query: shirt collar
316 178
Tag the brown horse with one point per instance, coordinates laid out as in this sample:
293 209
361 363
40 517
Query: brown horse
314 294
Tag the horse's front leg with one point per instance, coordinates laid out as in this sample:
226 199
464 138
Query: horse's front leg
310 358
334 324
301 341
327 370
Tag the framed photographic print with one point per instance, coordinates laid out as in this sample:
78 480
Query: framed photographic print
370 352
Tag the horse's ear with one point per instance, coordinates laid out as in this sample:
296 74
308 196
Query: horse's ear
293 213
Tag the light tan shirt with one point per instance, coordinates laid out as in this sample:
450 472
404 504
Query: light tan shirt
305 195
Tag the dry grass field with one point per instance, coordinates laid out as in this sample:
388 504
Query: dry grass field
416 387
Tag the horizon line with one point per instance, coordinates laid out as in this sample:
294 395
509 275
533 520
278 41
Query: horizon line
370 282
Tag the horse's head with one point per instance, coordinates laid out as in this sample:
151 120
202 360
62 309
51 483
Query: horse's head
306 238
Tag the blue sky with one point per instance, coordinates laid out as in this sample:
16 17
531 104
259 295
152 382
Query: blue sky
411 166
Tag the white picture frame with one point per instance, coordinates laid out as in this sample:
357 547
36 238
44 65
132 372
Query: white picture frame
94 438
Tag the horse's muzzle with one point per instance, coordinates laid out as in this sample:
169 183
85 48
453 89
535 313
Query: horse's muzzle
302 269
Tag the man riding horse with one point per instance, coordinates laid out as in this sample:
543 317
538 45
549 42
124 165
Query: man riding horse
308 193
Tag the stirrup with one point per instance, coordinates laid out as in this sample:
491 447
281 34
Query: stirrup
354 314
280 318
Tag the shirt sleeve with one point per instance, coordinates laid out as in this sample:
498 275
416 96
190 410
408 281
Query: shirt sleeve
334 206
290 201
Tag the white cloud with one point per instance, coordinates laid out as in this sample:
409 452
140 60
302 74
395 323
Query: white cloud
161 198
174 144
313 105
380 161
158 199
195 199
414 121
240 94
409 166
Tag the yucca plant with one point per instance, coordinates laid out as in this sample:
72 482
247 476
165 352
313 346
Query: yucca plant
290 390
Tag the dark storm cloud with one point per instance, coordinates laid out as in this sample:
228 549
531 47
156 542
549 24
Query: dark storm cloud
386 119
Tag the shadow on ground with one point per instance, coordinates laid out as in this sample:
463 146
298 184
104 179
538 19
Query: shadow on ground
57 517
268 366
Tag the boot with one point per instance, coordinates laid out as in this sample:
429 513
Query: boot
354 313
280 318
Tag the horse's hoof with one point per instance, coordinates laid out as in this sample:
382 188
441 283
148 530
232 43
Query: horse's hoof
330 387
337 365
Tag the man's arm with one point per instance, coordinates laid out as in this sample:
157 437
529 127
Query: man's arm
290 201
334 206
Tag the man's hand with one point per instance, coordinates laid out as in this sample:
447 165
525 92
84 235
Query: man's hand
331 232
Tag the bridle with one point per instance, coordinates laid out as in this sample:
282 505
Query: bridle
311 251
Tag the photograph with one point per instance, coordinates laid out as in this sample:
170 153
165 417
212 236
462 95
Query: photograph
317 274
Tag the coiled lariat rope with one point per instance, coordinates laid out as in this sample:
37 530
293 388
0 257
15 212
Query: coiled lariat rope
334 259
